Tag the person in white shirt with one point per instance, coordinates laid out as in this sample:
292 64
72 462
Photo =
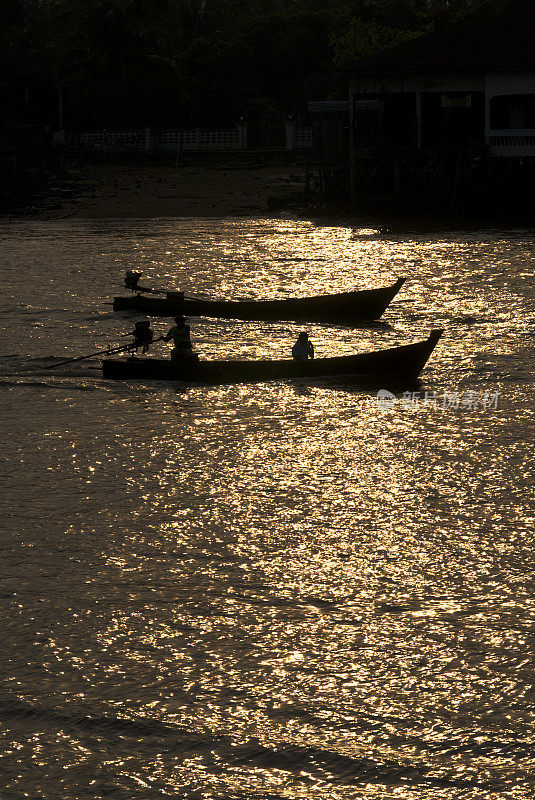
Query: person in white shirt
303 348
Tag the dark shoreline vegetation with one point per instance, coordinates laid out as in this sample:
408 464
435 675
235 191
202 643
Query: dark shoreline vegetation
205 62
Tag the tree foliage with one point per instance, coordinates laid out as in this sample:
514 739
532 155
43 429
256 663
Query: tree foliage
362 38
206 62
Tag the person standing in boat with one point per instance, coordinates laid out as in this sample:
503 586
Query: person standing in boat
181 335
303 349
143 336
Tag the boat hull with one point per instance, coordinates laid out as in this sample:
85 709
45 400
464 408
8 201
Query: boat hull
345 307
397 364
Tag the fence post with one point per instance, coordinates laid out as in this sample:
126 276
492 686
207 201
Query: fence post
242 136
290 134
147 139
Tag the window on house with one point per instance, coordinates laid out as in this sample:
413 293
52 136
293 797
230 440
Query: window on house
512 112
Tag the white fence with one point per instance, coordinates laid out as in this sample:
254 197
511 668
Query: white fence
110 140
196 139
512 143
303 139
211 140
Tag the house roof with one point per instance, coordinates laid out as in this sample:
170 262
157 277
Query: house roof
499 36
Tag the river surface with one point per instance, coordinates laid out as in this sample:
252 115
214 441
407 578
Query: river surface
277 591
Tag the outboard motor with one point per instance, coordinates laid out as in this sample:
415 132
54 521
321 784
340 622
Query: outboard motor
143 336
131 280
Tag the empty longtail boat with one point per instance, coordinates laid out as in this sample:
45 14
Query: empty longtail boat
344 308
397 364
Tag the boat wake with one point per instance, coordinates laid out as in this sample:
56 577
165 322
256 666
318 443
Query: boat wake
22 382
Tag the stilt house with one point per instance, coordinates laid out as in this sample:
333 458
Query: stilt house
449 115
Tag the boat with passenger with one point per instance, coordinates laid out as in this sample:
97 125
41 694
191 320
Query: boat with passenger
403 364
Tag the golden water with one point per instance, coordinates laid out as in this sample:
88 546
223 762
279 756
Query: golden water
270 590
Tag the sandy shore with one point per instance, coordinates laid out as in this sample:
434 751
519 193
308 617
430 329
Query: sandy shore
164 191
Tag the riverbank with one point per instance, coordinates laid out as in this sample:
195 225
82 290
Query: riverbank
191 190
198 189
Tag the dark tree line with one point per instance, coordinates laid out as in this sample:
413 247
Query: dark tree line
206 62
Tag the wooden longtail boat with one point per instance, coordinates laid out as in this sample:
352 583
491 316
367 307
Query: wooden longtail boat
397 363
345 307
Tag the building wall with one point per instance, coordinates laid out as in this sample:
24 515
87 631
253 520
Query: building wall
468 131
502 114
510 114
509 83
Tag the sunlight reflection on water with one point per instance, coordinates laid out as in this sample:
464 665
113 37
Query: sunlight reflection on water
273 590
